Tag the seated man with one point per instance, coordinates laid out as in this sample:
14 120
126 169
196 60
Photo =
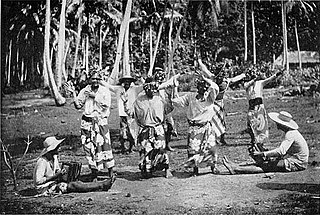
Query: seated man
47 175
291 155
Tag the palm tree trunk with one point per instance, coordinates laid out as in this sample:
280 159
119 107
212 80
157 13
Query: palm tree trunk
153 59
298 44
284 31
150 44
75 61
62 29
126 53
9 63
175 42
64 72
170 39
245 32
100 46
125 22
253 35
87 53
59 99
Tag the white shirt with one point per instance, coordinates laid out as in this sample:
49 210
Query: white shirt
294 148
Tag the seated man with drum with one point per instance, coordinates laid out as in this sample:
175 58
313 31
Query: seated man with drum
50 179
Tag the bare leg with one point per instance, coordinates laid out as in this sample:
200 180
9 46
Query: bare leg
222 140
236 169
168 173
111 174
81 187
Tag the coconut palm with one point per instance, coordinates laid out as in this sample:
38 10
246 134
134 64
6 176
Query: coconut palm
59 99
299 9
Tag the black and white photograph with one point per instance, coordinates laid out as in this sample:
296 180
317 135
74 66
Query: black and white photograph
160 107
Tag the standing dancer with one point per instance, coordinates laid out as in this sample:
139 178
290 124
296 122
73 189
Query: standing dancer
128 91
149 110
95 135
218 120
257 121
201 136
166 93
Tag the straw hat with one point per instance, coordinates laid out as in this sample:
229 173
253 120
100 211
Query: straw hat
127 78
50 144
284 118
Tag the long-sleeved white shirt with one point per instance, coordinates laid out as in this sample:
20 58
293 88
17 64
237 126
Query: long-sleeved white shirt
198 111
294 149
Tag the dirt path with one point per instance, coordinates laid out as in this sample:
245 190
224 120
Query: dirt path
293 193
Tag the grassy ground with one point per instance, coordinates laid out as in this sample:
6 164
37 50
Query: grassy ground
294 193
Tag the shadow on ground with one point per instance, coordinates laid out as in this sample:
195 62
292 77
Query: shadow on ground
299 187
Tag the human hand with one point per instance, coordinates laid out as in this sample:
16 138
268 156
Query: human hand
92 94
69 87
61 172
257 154
124 97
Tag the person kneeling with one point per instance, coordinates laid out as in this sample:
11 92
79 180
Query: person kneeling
47 175
292 155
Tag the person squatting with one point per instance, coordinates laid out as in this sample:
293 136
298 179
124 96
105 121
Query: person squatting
150 106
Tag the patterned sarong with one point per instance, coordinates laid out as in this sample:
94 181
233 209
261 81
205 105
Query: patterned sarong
218 121
201 146
95 138
151 145
125 133
258 123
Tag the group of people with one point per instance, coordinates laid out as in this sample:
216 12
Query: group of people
146 122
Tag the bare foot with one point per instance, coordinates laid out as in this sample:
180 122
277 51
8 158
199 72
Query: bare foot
226 163
168 174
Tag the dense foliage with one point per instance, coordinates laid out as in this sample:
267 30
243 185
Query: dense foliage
202 35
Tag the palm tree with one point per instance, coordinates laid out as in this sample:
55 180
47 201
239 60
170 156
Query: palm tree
253 34
59 99
285 62
78 39
299 9
245 32
124 26
60 67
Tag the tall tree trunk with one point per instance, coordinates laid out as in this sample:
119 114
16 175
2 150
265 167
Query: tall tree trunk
100 46
62 28
175 42
155 49
245 32
126 53
298 44
284 31
169 39
64 71
9 64
87 53
59 99
253 35
125 22
75 61
150 44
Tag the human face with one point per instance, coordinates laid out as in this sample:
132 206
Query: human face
126 84
94 82
150 89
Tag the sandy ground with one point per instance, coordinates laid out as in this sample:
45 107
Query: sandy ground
294 193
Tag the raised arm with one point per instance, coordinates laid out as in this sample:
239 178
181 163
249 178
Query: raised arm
272 77
204 70
249 83
237 78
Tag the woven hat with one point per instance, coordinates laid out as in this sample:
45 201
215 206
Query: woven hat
50 144
284 118
127 78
